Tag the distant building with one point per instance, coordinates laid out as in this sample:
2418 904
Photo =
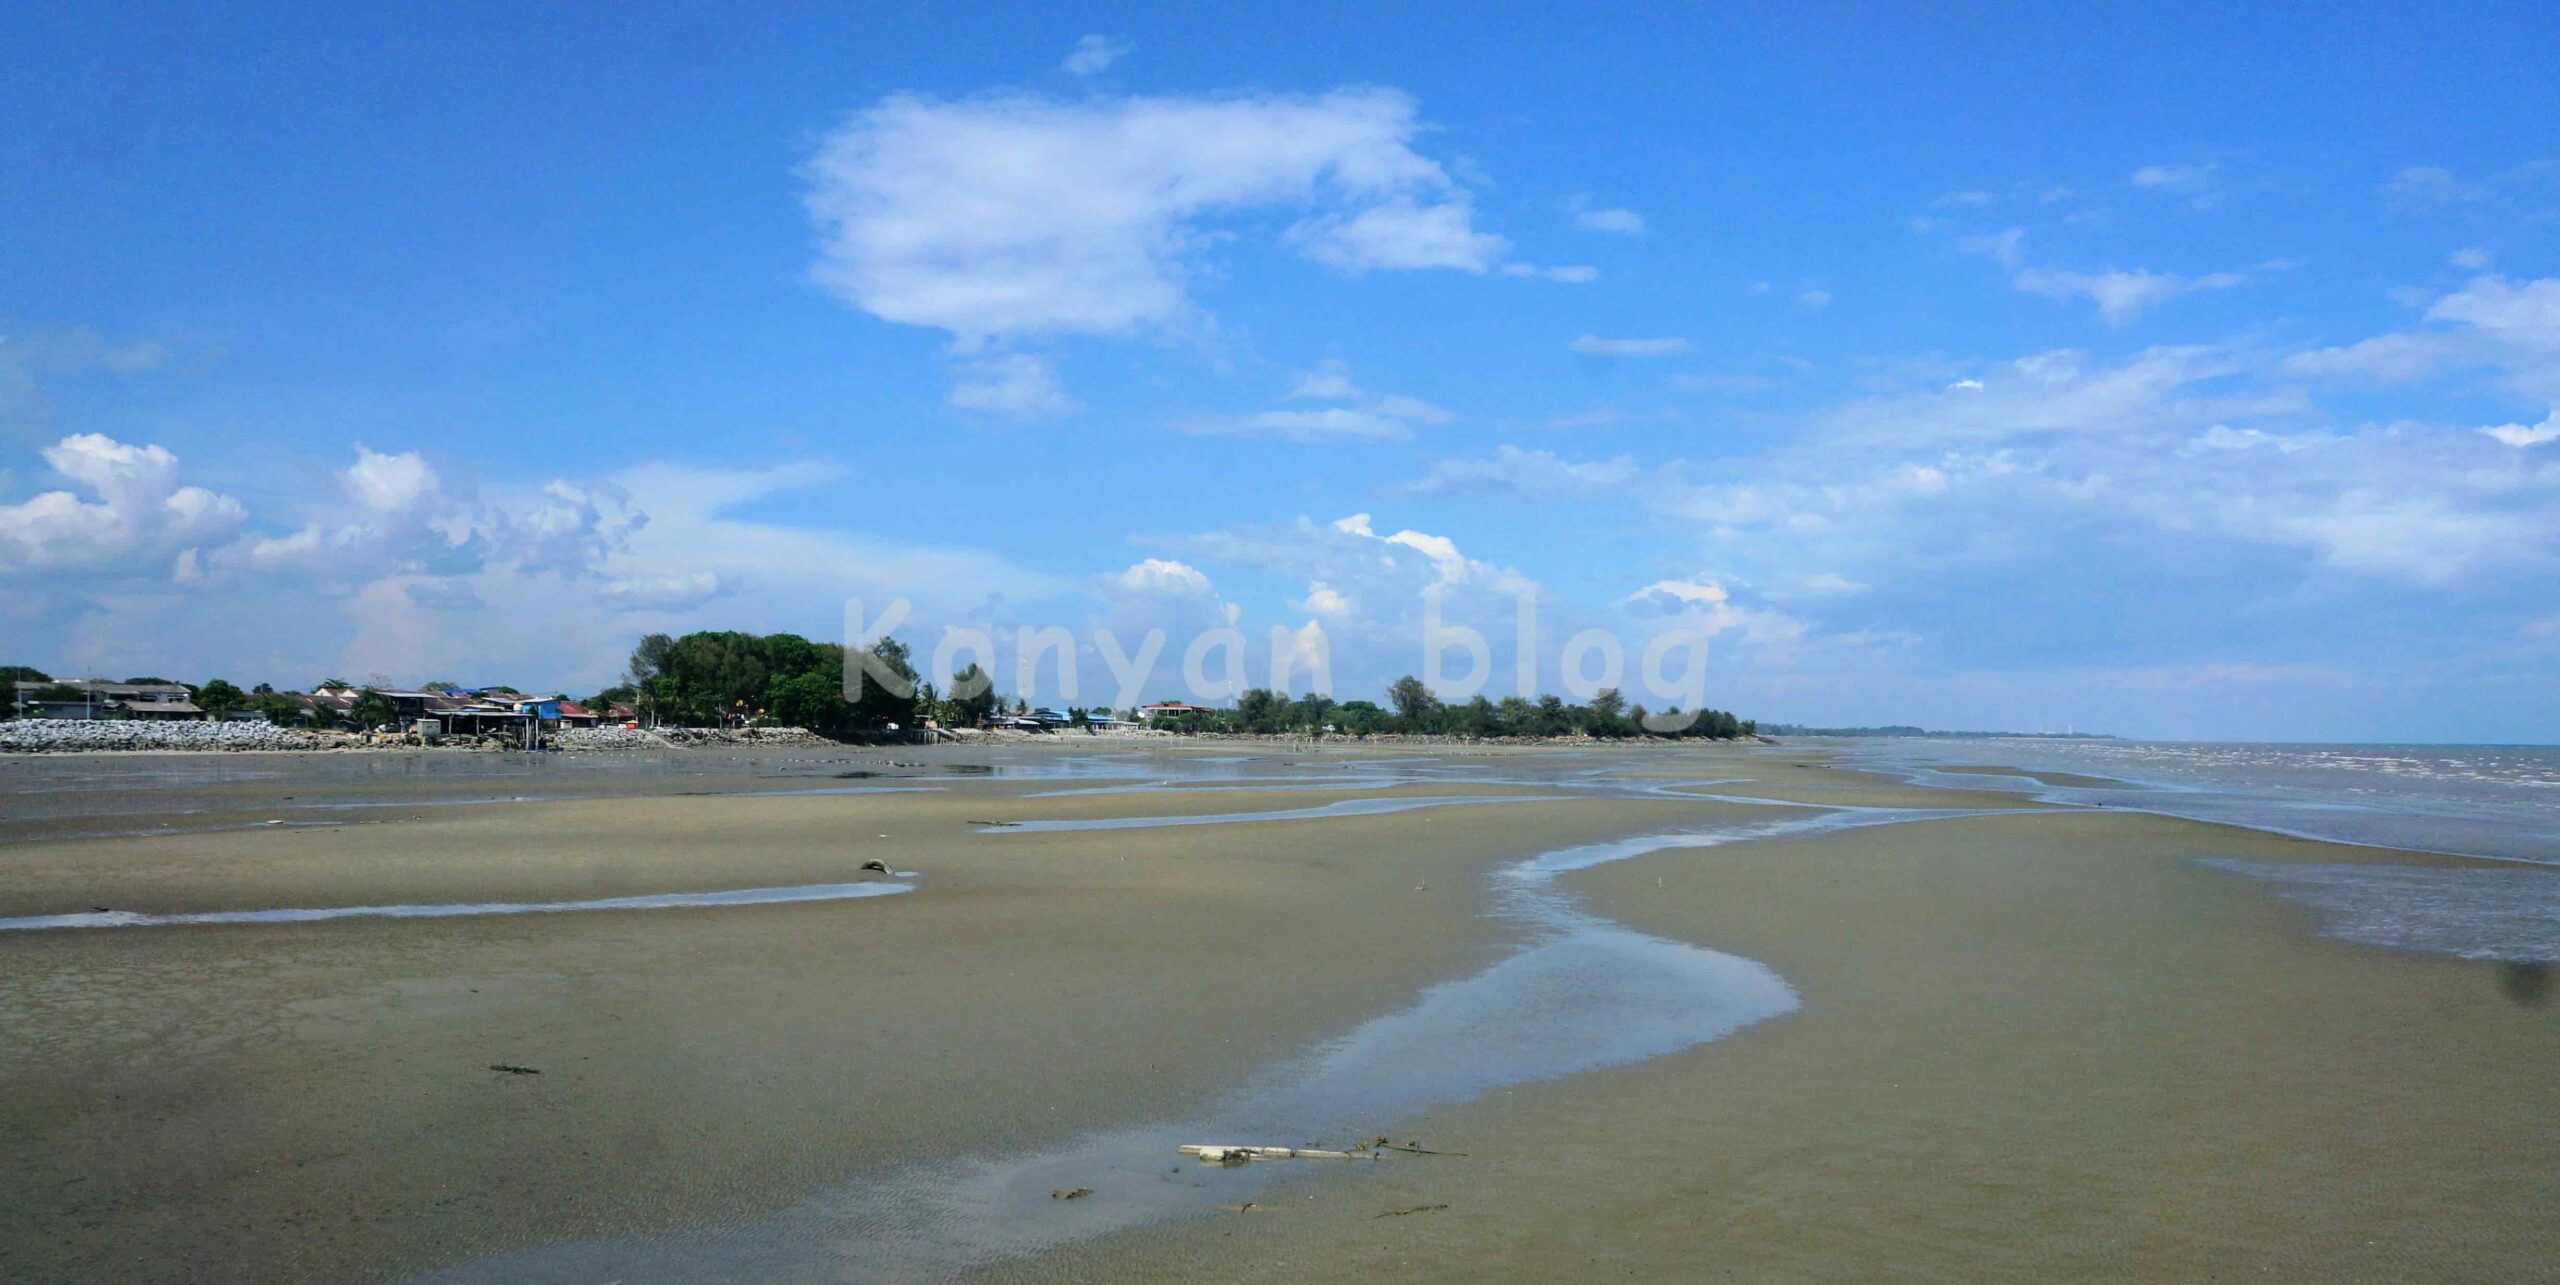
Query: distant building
1170 709
101 699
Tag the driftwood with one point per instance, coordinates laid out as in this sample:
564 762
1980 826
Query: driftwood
1071 1193
1417 1209
512 1069
1246 1155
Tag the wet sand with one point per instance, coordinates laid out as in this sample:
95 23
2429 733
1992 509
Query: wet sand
313 1101
2033 1046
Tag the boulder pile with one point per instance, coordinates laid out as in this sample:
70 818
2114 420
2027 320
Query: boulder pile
57 735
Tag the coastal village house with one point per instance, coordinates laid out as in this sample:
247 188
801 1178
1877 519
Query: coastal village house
107 700
491 711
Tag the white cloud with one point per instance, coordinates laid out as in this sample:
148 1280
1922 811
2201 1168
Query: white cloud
1015 385
675 591
2521 435
1399 234
2121 296
1595 346
2509 326
1618 221
2469 258
1164 577
1324 601
1573 273
2524 316
2006 246
139 524
1411 409
1540 473
2197 183
1022 216
2423 186
1092 55
1331 423
390 483
1389 417
1330 381
1813 298
2175 178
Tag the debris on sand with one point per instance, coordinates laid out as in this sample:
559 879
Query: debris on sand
881 866
1409 1148
1217 1155
1417 1209
1071 1193
511 1068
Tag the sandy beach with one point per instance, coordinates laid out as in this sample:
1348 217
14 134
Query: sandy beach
2028 1046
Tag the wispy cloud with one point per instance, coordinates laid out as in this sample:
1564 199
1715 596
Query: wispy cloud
1093 55
1595 346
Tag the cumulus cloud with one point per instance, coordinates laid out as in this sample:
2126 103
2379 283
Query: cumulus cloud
1595 346
671 591
1018 216
140 521
1325 602
1163 576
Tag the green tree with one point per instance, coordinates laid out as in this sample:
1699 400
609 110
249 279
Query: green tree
808 700
1360 718
219 697
373 709
1260 709
973 697
1416 708
275 707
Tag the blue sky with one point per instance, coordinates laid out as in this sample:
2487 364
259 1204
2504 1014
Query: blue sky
2164 370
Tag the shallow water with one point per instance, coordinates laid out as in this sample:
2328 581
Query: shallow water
2477 800
2473 913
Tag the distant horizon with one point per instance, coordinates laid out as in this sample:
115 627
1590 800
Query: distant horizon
1879 350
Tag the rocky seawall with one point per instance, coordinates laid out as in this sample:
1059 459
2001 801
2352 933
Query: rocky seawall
63 735
73 736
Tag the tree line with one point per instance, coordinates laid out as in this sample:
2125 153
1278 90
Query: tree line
1413 709
728 678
